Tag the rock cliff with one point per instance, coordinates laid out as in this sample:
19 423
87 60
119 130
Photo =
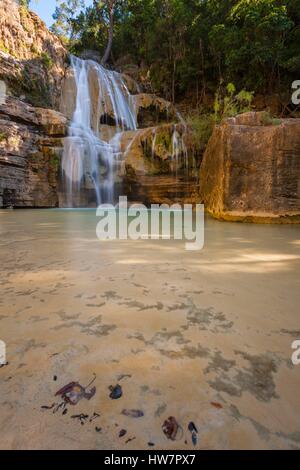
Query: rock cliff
251 170
30 150
32 66
32 59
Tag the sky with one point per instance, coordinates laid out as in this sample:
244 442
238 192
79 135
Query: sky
45 9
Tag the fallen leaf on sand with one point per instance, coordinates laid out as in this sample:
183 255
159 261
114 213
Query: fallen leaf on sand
133 413
73 392
170 428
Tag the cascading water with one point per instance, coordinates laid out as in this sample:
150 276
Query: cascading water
88 159
103 110
178 149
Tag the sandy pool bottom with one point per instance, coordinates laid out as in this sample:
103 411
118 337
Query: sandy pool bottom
202 336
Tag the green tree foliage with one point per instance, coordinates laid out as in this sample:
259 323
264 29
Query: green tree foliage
64 16
251 41
24 3
229 103
190 46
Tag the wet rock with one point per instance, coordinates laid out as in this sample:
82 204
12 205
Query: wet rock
192 427
132 86
152 110
115 392
194 431
152 172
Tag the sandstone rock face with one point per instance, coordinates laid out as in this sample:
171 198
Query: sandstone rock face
159 165
151 110
31 142
67 101
162 189
251 171
32 59
132 86
155 150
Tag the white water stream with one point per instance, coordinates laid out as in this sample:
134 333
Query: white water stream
92 151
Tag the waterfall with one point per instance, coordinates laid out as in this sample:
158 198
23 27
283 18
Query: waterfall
153 143
178 149
86 146
102 110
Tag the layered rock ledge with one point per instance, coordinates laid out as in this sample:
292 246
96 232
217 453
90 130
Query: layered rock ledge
31 145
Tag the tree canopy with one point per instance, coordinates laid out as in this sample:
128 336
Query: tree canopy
191 45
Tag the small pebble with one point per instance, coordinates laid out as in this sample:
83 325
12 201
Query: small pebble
122 432
192 427
115 392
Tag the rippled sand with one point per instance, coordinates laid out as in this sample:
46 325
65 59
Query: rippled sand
202 336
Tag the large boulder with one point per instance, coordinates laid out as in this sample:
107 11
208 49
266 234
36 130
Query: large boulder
251 170
159 165
156 150
31 145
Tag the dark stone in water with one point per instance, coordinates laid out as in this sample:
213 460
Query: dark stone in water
115 392
192 427
122 432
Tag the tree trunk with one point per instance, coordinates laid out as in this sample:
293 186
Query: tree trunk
111 7
173 80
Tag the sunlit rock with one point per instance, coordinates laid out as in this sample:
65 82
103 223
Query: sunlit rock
251 170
